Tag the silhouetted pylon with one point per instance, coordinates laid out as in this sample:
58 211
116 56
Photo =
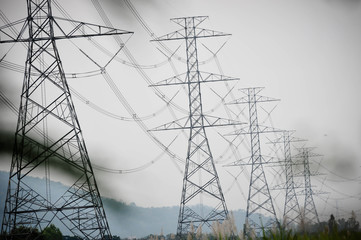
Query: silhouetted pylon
48 135
259 200
310 212
200 177
291 213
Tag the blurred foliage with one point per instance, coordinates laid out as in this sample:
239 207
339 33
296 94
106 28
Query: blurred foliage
28 233
52 233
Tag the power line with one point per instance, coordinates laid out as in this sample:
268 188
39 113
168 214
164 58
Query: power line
200 175
80 208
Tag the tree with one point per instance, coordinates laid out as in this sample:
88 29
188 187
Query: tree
341 224
22 232
52 233
352 223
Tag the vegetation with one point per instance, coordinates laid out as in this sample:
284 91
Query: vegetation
340 229
49 233
332 230
52 233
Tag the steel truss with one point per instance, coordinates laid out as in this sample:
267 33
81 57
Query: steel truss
291 212
310 214
200 180
48 135
259 200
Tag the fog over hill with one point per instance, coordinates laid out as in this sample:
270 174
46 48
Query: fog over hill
125 220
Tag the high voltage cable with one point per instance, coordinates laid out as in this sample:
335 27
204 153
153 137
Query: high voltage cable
125 103
333 206
20 69
133 61
231 146
228 112
132 170
113 115
333 189
15 67
130 110
150 32
107 22
12 107
139 121
141 72
337 175
158 92
63 12
239 108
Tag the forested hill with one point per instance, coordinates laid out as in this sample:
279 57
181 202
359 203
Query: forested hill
125 220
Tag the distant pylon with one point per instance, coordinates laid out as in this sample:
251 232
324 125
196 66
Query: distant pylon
200 177
48 135
310 212
291 213
259 200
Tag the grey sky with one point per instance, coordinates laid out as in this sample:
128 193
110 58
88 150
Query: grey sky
306 53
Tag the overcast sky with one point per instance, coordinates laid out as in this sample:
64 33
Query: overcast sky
306 53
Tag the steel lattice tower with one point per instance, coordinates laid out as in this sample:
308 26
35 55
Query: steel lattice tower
291 213
200 176
48 135
310 212
259 198
292 208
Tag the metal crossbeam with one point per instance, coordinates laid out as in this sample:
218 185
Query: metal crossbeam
200 177
204 77
76 29
47 110
292 209
184 123
310 211
259 198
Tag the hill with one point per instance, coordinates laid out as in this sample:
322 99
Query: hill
125 220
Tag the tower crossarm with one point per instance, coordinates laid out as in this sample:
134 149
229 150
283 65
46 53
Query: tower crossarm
204 77
291 139
284 186
46 109
283 164
182 34
317 192
259 198
311 173
196 21
208 121
258 99
200 33
242 162
260 129
310 154
255 99
200 175
63 29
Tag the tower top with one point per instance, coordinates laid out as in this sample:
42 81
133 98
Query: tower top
190 29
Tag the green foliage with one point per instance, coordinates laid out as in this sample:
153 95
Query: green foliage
21 232
324 235
52 233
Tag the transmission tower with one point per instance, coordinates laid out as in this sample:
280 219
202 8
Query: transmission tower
200 176
48 134
259 198
310 213
291 213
